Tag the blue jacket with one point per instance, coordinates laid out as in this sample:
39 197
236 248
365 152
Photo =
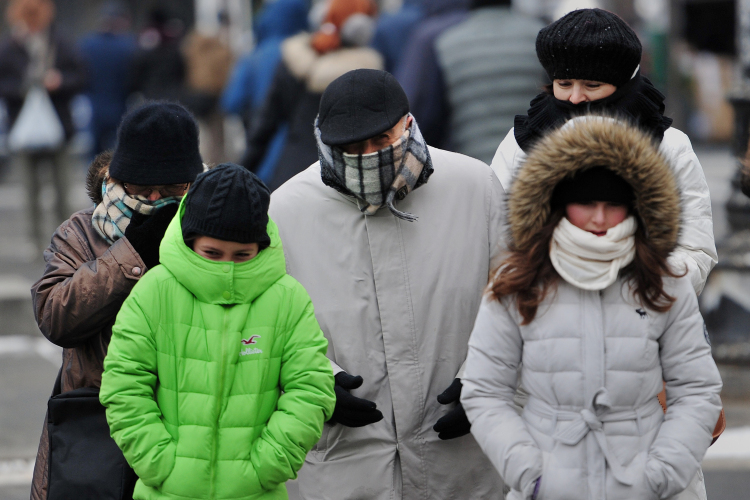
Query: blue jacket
393 30
252 75
108 58
419 70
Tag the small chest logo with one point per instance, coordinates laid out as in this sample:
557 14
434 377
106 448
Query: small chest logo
252 340
641 313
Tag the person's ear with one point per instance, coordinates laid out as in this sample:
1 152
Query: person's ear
407 123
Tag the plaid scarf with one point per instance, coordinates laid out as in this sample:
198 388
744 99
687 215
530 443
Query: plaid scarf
379 178
113 214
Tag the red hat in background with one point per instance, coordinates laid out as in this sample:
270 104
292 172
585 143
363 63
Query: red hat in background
328 36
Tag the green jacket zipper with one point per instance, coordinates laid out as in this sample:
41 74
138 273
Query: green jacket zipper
214 450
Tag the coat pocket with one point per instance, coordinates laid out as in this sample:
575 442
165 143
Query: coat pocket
641 489
322 445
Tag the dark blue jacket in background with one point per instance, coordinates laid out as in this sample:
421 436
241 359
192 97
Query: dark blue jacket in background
393 30
252 75
419 71
109 62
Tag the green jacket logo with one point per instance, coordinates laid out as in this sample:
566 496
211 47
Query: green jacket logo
250 341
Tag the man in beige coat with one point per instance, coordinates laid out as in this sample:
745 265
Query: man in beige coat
395 266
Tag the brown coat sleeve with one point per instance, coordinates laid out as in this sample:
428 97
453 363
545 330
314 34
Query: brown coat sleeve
85 282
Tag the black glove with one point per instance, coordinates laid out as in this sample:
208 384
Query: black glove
454 423
145 232
352 411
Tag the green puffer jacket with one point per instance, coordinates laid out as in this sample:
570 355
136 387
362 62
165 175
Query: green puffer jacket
216 381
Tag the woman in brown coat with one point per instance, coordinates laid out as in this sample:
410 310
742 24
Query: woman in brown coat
98 255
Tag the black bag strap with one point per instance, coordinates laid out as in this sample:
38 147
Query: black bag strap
57 389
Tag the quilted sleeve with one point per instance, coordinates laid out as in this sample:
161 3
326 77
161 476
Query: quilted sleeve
128 385
693 385
306 402
507 159
489 384
696 249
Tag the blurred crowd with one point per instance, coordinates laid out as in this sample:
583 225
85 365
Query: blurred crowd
468 68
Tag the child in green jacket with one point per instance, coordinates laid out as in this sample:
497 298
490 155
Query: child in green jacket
216 381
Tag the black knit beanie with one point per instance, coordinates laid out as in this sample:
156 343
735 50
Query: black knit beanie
589 44
157 144
593 184
478 4
228 203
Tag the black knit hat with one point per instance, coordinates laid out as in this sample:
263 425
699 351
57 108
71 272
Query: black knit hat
157 143
228 203
593 184
478 4
360 104
589 44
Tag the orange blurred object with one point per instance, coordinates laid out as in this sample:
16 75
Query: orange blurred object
328 36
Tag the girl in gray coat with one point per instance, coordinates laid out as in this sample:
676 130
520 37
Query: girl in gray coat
586 304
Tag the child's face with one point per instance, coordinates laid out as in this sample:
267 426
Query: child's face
596 216
224 251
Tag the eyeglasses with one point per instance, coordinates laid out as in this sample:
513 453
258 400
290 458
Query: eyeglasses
165 191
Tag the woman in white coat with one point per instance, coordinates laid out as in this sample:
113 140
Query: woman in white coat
593 59
588 305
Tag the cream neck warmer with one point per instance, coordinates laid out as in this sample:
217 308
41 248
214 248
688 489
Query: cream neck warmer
588 261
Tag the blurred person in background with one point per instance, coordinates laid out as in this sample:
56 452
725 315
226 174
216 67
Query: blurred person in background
253 73
36 54
393 30
208 61
108 54
98 255
419 71
159 66
309 62
490 72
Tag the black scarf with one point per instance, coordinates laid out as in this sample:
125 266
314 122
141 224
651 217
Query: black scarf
637 102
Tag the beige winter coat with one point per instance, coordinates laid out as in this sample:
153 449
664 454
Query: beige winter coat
397 301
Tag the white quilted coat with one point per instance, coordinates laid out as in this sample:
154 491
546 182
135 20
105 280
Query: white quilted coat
594 361
593 364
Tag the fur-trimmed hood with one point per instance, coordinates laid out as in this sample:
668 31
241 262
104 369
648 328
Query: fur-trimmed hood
594 141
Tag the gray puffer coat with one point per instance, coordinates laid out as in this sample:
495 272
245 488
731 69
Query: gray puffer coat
593 361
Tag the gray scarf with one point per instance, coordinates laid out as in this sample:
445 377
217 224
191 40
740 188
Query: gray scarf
379 178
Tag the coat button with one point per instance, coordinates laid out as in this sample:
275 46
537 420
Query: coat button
227 295
226 268
136 271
